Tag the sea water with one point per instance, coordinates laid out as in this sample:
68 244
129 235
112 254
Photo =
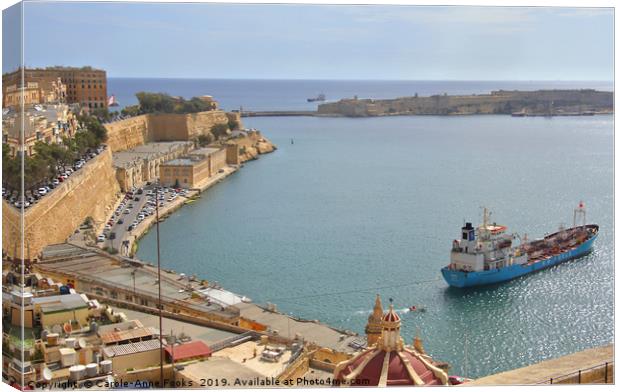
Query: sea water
348 208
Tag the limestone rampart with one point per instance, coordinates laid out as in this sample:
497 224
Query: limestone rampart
129 133
90 191
160 127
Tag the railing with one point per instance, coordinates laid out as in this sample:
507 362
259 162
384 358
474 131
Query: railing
598 374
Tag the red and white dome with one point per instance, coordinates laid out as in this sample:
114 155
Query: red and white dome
405 367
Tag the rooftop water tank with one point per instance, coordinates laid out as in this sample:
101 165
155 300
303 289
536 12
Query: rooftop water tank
77 372
91 370
106 366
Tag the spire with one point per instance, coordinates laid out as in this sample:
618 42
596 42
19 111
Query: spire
378 309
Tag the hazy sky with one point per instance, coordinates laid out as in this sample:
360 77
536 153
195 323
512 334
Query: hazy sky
320 42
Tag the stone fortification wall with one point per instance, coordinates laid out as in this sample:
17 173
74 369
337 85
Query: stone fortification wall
135 131
129 133
250 147
168 127
91 191
201 123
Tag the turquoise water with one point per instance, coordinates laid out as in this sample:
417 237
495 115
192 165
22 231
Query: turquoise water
362 206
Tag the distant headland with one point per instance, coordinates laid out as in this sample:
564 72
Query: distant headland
574 102
518 103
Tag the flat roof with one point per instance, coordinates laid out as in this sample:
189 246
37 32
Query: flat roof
180 162
205 150
312 331
128 334
131 348
57 303
244 354
217 368
107 270
149 150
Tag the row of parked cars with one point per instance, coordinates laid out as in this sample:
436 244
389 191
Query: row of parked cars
62 173
159 195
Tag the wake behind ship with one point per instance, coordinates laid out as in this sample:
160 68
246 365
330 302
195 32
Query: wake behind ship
486 255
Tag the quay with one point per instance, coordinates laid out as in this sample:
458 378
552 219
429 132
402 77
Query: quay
132 284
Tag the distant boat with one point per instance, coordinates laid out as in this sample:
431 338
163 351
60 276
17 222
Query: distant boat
318 98
112 101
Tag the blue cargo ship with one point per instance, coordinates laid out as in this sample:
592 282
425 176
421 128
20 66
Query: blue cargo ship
486 255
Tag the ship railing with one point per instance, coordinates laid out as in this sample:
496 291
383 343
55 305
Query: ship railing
598 374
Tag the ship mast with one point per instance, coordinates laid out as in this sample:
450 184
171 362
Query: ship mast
581 210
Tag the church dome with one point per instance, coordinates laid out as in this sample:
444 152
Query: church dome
389 362
404 367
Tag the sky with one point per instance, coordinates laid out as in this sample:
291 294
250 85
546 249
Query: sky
317 41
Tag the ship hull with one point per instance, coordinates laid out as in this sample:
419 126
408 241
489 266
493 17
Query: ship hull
482 278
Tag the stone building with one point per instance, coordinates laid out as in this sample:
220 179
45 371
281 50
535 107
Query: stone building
194 168
140 164
85 86
389 362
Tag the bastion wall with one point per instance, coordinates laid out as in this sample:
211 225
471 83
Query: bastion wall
90 191
135 131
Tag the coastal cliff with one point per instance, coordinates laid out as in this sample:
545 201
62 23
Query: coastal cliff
541 102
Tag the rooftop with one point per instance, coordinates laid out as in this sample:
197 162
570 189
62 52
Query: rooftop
112 337
244 354
193 349
91 266
218 368
131 348
147 151
311 331
181 162
57 303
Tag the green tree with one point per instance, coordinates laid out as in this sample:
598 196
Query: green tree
219 130
233 124
205 140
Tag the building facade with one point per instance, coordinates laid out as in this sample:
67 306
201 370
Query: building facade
193 169
136 166
86 86
46 123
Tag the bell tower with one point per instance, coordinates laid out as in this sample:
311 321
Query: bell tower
375 325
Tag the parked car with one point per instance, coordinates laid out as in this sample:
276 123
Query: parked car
42 191
119 222
100 238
